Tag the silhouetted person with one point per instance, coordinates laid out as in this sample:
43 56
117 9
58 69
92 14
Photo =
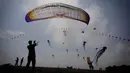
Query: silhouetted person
90 63
100 69
16 61
21 61
31 54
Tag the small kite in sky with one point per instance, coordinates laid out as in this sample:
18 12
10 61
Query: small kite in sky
96 48
77 50
94 28
77 55
67 50
84 58
82 31
84 43
53 55
64 31
49 43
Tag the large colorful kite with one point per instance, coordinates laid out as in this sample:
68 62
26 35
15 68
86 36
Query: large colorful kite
54 10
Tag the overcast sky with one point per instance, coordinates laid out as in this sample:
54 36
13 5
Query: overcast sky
108 16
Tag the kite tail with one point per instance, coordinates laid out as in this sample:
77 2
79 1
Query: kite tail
96 62
97 57
49 44
84 47
94 59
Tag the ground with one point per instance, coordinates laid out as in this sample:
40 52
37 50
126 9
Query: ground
46 70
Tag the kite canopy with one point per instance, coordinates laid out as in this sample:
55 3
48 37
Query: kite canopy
54 10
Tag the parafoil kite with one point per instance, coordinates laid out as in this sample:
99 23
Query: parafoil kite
53 10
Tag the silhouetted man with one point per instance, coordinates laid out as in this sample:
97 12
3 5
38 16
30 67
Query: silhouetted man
17 60
31 54
90 63
21 61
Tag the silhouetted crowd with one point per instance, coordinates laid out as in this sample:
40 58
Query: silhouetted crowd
118 69
69 67
8 68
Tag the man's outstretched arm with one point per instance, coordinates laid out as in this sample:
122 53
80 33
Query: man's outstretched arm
35 44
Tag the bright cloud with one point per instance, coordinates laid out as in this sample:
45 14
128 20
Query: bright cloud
71 2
